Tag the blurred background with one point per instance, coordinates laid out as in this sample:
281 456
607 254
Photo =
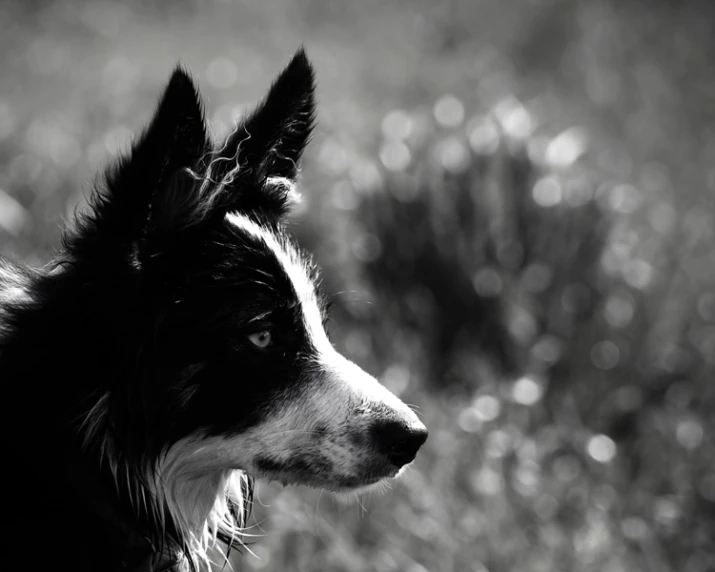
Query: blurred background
512 201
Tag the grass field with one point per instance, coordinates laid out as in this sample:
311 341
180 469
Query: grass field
513 204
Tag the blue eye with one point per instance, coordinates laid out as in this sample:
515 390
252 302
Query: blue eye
261 339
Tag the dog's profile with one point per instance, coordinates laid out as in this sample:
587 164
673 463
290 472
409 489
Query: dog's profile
175 349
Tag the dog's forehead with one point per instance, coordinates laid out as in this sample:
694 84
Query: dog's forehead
277 246
295 267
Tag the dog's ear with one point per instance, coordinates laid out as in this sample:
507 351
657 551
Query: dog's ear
150 190
154 181
259 160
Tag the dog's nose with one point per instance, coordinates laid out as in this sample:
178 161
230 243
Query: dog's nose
400 442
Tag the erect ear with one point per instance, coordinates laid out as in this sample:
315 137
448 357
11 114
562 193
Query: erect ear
259 160
141 193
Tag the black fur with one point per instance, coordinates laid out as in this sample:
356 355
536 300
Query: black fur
148 304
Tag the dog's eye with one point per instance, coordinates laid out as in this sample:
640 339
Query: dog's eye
261 339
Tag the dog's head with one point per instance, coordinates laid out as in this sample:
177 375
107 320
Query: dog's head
229 365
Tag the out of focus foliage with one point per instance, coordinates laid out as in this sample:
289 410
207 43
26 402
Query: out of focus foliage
514 202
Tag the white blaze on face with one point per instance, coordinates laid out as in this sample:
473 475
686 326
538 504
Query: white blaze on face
293 265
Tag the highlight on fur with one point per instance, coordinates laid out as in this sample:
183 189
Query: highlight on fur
175 350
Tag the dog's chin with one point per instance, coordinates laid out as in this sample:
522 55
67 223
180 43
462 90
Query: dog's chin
339 483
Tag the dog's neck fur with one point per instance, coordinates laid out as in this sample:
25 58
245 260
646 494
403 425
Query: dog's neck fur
128 543
159 514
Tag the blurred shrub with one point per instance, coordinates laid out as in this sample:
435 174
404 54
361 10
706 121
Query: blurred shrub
478 257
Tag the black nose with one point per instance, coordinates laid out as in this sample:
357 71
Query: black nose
400 442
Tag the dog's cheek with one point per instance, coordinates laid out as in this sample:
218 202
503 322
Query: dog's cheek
281 434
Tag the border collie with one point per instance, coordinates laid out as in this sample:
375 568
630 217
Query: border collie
175 349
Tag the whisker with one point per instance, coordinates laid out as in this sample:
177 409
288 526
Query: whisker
415 409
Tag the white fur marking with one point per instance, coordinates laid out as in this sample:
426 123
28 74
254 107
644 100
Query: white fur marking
193 483
292 194
14 294
293 265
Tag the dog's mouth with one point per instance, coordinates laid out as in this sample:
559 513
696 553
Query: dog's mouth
321 474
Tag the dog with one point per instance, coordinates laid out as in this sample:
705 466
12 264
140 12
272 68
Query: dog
175 349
